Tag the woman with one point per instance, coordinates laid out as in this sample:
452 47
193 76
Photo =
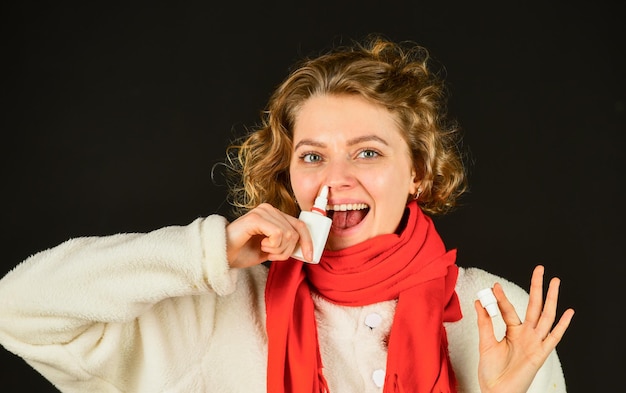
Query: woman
195 309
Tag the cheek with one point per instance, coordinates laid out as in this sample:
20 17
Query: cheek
390 206
391 195
303 189
392 185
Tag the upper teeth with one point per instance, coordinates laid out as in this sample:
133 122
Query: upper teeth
347 206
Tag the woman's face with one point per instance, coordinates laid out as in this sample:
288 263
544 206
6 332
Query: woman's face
355 148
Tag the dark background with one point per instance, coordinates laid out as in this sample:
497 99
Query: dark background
115 114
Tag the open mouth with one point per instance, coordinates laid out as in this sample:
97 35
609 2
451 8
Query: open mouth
347 215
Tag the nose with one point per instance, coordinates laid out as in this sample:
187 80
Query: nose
339 175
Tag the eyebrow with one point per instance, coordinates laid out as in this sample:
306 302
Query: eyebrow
351 142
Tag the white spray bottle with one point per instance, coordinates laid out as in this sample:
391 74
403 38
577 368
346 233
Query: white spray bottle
318 225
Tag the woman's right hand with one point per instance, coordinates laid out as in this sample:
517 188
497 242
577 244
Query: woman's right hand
265 234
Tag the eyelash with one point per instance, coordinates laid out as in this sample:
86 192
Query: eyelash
306 157
375 152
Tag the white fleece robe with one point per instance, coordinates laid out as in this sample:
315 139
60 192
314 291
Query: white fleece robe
163 312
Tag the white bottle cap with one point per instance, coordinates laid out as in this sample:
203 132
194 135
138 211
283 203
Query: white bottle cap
488 301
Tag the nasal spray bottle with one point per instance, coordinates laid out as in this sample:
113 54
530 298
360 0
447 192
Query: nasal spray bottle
318 225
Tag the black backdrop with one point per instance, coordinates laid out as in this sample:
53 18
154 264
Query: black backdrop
114 115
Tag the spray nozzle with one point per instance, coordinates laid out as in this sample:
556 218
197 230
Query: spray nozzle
320 202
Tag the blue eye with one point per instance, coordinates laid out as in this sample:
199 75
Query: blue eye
368 153
311 157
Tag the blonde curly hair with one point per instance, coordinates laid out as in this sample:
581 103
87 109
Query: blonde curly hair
395 75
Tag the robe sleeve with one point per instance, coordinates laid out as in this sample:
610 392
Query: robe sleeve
90 313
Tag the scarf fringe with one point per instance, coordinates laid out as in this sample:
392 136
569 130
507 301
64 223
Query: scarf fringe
322 381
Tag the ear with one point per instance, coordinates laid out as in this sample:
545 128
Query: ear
415 184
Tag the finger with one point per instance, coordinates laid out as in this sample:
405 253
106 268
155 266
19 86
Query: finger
279 241
287 246
535 300
509 314
486 334
304 238
264 228
282 243
555 336
548 314
279 236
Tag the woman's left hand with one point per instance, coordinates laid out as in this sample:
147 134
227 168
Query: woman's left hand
511 364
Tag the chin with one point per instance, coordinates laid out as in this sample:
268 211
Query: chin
336 243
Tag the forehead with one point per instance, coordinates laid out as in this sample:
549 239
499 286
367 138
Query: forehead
343 115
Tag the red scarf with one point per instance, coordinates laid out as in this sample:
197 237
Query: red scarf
412 266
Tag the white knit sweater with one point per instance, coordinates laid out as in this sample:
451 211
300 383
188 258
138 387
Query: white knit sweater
162 312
